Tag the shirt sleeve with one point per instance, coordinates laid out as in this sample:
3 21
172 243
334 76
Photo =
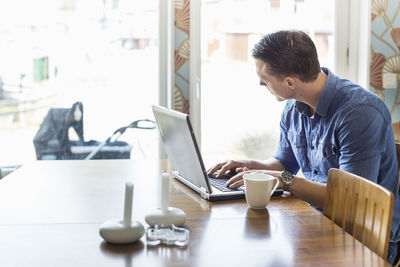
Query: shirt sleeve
362 136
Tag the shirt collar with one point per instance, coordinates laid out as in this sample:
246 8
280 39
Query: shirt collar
303 108
324 100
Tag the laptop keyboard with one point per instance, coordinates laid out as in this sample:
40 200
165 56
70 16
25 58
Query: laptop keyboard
220 184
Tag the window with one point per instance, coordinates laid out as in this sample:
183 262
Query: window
240 119
103 53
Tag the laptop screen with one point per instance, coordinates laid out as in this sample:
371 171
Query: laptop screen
181 146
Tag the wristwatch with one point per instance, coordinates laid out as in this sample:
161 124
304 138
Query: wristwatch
287 180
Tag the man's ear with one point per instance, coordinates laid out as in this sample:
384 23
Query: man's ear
290 82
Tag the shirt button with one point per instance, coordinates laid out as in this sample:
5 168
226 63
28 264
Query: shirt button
315 171
312 147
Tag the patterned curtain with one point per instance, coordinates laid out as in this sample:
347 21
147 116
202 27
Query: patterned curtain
180 101
385 55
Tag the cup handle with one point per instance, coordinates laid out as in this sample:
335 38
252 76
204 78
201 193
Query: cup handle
276 186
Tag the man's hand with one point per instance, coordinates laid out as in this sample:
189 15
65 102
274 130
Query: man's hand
229 165
237 180
271 166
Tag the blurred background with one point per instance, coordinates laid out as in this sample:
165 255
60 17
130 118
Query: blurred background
105 54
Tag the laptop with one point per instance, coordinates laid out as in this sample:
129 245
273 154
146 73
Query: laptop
185 158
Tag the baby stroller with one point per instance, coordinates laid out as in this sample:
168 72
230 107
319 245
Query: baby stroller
52 140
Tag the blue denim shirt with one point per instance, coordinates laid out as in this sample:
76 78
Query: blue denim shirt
350 129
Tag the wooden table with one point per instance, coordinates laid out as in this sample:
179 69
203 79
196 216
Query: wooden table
51 211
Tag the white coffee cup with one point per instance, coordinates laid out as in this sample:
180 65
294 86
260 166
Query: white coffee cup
259 189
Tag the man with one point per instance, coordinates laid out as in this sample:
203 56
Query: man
328 122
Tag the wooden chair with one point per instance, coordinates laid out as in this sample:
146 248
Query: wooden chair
362 208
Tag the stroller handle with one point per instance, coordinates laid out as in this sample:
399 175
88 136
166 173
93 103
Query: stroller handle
135 124
119 132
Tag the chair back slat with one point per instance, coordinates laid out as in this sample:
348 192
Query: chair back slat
362 208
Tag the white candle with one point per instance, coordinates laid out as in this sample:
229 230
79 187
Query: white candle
164 191
128 203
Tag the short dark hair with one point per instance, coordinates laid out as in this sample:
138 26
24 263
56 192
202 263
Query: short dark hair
289 53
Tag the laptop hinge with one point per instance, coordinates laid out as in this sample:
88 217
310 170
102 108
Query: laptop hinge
203 192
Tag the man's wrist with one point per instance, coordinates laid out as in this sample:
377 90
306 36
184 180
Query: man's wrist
287 180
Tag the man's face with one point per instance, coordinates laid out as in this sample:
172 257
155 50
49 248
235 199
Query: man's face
277 87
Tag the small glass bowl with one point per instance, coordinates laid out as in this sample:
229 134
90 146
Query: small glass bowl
167 234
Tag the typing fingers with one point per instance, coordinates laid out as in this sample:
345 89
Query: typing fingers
237 184
230 165
241 169
221 168
233 166
235 181
215 168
